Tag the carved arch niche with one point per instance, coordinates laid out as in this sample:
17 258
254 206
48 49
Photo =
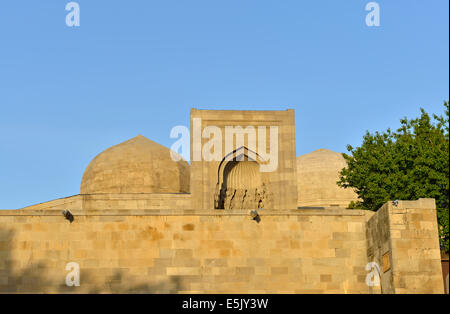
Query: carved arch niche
240 183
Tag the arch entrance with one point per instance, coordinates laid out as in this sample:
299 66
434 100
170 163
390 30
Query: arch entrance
240 183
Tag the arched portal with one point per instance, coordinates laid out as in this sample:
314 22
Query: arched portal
240 183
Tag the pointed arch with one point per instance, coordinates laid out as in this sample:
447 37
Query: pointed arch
246 175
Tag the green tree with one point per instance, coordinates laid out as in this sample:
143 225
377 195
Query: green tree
409 163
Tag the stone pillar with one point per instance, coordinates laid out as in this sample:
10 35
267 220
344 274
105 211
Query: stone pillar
403 239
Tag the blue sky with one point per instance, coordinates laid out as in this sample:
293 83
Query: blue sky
137 67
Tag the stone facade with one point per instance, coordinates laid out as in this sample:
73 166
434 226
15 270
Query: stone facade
187 251
142 251
140 225
206 175
403 239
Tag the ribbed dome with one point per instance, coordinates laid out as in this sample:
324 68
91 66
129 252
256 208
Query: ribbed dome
317 174
138 165
244 175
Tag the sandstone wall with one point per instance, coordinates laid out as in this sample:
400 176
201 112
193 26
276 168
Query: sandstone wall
141 251
197 251
378 234
115 201
403 240
137 201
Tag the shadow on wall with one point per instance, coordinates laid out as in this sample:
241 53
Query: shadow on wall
32 277
29 277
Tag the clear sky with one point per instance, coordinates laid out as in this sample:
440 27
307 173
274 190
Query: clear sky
137 67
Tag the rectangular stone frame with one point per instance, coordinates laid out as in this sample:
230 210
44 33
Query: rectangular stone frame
283 181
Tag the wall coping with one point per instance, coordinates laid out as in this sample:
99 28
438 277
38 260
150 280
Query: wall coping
183 212
421 203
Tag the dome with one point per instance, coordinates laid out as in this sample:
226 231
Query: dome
244 175
317 174
138 165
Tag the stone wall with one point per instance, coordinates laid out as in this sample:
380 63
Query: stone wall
415 247
137 201
117 201
140 251
193 251
378 237
403 240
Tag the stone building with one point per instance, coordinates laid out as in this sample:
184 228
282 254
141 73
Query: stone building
145 221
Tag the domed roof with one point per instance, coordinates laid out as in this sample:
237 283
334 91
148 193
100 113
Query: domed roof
317 174
244 175
138 165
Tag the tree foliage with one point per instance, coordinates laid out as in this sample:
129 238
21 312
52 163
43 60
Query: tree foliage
407 164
